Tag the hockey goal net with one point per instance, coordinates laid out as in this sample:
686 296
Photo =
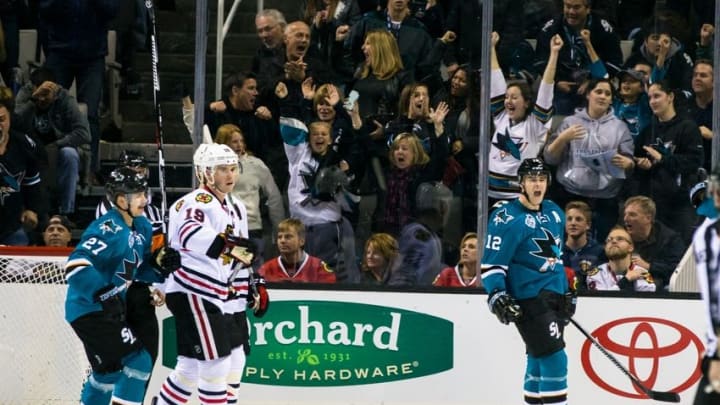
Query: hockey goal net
43 361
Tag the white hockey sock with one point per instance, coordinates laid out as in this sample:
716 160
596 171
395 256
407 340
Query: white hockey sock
237 364
212 387
180 384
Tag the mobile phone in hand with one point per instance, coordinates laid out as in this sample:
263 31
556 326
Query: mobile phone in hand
350 101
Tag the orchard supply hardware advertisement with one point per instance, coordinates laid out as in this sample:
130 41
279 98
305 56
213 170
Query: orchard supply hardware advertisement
326 343
385 348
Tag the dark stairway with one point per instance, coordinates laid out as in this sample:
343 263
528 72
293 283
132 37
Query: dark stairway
176 43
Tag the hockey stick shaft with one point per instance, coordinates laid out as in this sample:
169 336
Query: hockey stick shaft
158 115
664 396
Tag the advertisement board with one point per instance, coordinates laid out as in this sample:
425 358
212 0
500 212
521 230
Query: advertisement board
351 347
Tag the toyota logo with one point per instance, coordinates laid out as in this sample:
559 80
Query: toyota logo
644 347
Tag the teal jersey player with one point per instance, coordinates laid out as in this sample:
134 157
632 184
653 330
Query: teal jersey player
114 251
529 242
109 253
523 272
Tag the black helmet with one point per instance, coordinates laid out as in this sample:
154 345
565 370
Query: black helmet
131 158
329 181
533 166
125 180
434 196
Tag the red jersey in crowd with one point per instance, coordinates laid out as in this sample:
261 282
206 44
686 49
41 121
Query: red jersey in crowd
452 277
308 270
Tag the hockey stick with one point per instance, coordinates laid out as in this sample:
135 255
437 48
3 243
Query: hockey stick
663 396
158 116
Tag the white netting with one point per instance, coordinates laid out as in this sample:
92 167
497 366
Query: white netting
42 360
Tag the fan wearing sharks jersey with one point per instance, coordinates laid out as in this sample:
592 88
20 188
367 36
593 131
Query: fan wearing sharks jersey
523 272
113 252
328 234
21 203
521 127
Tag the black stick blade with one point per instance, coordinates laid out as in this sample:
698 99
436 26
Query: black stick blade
664 396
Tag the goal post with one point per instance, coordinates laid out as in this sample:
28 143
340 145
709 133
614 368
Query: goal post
43 360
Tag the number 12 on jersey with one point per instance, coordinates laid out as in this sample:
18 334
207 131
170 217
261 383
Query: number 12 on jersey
493 242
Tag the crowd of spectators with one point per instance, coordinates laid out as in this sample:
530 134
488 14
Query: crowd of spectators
361 109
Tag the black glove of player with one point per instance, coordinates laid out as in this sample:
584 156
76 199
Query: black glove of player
257 298
111 302
570 301
166 260
240 249
504 306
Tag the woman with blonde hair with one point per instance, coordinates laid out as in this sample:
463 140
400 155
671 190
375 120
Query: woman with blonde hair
381 250
254 183
380 78
410 166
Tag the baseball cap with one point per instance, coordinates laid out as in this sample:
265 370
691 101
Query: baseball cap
639 76
60 220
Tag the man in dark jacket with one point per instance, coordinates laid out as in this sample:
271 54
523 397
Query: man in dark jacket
51 115
662 49
657 247
464 19
270 25
75 46
574 62
259 126
291 64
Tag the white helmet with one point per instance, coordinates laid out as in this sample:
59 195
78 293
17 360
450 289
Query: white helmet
208 156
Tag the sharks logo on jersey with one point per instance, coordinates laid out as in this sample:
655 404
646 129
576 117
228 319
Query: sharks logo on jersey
502 217
507 146
9 182
109 226
129 267
547 249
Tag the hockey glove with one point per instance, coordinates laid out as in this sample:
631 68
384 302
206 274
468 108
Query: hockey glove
240 249
258 299
504 306
570 303
166 260
111 302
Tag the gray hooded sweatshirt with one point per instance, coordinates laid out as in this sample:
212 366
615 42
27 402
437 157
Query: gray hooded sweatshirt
608 133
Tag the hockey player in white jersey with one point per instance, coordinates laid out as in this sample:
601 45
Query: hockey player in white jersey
208 294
